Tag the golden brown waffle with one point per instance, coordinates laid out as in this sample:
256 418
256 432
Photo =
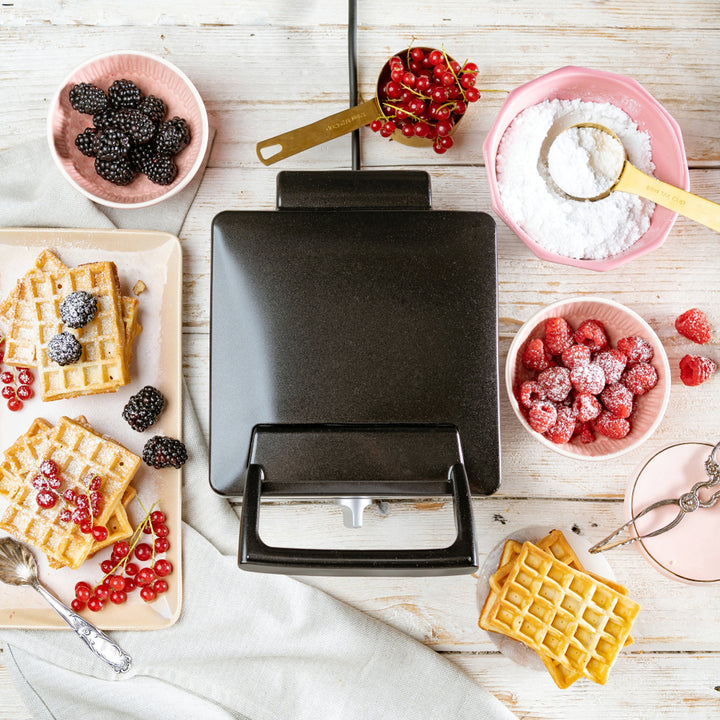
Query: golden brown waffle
101 367
17 316
78 452
562 613
557 545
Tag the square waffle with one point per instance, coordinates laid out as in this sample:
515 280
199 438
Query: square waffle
78 451
557 545
102 366
18 317
562 613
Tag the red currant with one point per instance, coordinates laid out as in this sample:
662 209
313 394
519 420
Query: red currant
148 594
162 530
118 597
99 532
25 377
130 584
83 591
435 57
102 592
7 377
163 568
8 392
65 515
162 545
131 569
145 576
77 605
95 604
472 94
160 586
116 582
143 551
14 404
107 566
121 549
46 499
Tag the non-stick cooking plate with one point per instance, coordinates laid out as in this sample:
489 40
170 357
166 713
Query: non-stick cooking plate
354 353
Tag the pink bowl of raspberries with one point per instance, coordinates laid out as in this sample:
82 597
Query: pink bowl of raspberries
128 129
588 378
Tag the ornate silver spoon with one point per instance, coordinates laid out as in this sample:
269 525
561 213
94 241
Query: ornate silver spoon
18 567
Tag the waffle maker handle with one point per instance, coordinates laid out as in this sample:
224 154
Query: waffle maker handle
458 558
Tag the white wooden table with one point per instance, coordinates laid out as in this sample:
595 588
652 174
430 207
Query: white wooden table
266 67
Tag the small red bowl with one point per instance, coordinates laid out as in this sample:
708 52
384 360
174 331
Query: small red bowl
154 76
666 143
619 322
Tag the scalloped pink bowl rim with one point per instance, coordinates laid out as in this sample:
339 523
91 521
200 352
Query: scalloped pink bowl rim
78 170
589 85
650 408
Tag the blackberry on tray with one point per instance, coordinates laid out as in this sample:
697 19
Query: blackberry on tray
78 309
143 409
87 98
64 349
161 452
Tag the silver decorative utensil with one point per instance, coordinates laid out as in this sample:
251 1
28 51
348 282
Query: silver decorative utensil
18 567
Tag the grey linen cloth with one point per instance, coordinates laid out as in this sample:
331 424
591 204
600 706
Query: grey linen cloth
250 646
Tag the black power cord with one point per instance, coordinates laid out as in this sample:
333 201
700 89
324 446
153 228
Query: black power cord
352 68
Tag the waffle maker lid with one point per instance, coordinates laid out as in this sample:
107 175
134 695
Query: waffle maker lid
354 353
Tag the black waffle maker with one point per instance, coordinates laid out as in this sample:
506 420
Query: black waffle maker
354 356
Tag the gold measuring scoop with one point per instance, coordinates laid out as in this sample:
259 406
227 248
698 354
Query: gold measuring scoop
627 178
341 123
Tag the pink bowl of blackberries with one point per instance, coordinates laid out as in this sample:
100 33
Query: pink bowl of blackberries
588 378
128 129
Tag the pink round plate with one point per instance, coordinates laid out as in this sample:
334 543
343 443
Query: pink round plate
619 322
154 76
569 83
690 552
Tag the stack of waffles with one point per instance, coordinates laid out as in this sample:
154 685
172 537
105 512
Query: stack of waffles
575 620
79 453
31 317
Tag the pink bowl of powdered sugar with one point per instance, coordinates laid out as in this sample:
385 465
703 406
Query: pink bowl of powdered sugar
597 235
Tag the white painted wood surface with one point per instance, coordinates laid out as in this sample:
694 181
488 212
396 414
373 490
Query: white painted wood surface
266 67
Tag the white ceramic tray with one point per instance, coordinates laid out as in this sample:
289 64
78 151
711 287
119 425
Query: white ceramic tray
156 259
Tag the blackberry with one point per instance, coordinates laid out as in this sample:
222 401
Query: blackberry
85 141
172 136
118 172
160 169
124 94
153 107
87 98
106 119
64 349
78 309
137 125
161 452
112 144
144 408
140 155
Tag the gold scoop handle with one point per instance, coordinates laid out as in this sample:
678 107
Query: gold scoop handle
680 201
321 131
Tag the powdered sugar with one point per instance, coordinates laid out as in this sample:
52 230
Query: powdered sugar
572 228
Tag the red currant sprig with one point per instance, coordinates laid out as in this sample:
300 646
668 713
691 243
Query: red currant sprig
425 97
16 382
122 574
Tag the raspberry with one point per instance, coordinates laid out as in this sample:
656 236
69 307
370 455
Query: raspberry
612 426
555 383
542 416
530 392
588 378
613 363
591 333
693 325
640 378
585 433
558 335
576 355
637 349
535 357
618 400
586 407
696 369
563 430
